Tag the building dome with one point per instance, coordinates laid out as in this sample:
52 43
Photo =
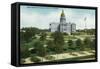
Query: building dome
62 14
63 26
62 18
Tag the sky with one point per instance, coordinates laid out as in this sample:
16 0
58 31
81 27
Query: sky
41 17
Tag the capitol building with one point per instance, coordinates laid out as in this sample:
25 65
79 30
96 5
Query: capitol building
63 26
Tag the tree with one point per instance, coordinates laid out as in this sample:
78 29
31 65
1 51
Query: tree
43 36
87 43
50 46
71 45
58 38
27 33
24 52
58 41
65 34
58 48
79 45
91 31
92 44
40 49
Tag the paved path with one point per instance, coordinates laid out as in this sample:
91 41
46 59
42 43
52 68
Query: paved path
64 56
27 60
74 54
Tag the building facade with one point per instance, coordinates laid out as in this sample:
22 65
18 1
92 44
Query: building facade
63 26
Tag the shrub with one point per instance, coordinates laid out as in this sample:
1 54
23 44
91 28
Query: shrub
49 57
22 60
65 34
40 49
24 52
35 59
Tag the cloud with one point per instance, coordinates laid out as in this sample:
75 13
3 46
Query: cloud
37 18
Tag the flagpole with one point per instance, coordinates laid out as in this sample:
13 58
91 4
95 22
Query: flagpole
85 23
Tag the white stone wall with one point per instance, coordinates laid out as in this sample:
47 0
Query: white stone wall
73 27
65 27
54 27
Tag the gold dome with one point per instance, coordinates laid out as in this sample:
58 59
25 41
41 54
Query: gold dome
62 14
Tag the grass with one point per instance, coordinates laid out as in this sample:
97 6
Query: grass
69 37
66 38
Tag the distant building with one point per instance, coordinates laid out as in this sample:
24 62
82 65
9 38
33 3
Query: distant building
63 26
